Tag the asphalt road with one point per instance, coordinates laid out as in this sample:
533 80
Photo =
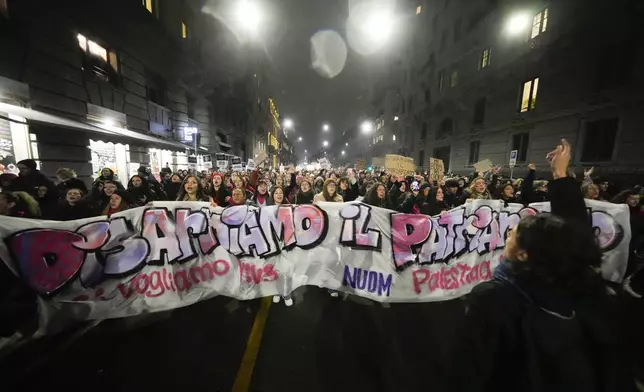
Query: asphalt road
320 343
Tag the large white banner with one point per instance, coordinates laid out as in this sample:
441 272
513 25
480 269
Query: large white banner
177 253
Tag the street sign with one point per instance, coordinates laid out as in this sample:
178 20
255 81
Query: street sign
513 157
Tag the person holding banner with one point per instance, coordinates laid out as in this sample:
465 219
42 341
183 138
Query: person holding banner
377 197
546 321
191 190
329 192
277 198
218 191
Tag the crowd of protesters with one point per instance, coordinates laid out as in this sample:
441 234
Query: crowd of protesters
551 295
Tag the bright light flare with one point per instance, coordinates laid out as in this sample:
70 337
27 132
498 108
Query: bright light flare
342 152
325 143
325 127
299 139
249 15
517 24
366 127
377 26
288 123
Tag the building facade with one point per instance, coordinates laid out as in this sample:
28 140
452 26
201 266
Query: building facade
468 85
114 84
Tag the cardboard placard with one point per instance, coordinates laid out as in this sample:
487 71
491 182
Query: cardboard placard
378 161
236 164
250 165
436 170
399 165
483 165
261 157
361 164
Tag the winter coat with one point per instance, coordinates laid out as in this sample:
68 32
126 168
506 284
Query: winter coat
320 197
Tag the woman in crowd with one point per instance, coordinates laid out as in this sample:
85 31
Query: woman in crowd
348 188
172 187
219 193
377 197
507 194
544 322
304 194
277 198
590 191
191 190
6 181
73 207
139 190
318 185
534 191
239 182
329 192
238 197
205 184
19 204
261 197
478 190
108 175
119 201
430 200
279 181
68 180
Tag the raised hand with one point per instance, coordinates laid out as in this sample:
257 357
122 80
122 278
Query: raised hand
532 166
589 172
559 158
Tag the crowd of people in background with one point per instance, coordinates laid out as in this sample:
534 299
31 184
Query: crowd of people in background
560 279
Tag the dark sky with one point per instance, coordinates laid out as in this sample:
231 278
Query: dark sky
303 95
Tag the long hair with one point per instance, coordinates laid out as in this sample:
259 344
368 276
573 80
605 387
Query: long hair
25 205
325 192
272 196
560 253
182 195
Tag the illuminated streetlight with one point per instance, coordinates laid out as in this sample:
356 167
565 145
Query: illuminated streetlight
325 153
305 151
325 144
366 127
325 127
378 25
346 144
342 152
248 15
395 118
288 123
517 24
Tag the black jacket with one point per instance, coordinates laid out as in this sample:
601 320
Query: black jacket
351 193
66 212
72 183
520 335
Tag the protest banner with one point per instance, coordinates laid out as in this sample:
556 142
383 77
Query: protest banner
173 254
436 170
398 165
378 161
483 166
236 164
250 165
361 164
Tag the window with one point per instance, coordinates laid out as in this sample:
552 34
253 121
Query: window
453 79
479 111
149 5
98 60
445 129
529 95
484 61
520 143
421 157
474 151
599 140
156 88
539 23
419 9
423 132
441 80
614 66
191 107
184 30
394 137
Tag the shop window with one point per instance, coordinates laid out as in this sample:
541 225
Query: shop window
98 60
599 140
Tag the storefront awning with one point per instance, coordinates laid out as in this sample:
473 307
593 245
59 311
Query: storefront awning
58 121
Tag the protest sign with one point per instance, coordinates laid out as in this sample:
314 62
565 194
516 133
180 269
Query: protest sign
399 165
173 254
361 164
236 164
250 165
324 163
378 161
436 170
483 166
261 157
221 161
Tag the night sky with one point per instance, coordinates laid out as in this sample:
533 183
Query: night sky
301 93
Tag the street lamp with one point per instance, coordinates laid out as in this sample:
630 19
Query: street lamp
248 15
288 123
325 127
366 127
346 144
342 152
325 144
305 151
299 139
517 23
